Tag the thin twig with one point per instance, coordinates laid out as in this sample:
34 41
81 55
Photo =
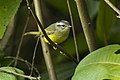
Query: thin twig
21 40
26 62
73 30
50 41
86 24
17 74
113 7
33 57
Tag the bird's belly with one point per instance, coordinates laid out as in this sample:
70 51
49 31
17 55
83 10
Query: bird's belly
58 38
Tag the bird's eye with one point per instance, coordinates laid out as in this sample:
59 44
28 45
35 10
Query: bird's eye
63 25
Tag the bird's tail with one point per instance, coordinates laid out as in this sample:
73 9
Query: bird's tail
32 33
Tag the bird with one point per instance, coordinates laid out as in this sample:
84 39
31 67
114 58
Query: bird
58 32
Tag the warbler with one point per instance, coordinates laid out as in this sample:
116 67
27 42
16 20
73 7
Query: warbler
58 32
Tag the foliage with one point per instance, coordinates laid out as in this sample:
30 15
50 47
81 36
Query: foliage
101 64
8 8
7 76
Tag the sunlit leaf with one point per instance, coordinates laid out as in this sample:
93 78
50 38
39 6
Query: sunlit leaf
103 63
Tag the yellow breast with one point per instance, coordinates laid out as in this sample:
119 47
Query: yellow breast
57 38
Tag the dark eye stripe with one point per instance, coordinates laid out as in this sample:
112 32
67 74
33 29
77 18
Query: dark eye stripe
61 25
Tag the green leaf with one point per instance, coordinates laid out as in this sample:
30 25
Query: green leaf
101 64
20 72
7 76
8 8
105 20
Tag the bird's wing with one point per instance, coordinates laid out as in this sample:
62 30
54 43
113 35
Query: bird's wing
51 29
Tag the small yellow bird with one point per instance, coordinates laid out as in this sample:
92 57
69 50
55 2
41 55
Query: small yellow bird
57 32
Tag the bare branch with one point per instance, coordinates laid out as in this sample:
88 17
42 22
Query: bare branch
86 24
113 7
46 52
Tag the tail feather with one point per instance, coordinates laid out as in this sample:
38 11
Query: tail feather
32 33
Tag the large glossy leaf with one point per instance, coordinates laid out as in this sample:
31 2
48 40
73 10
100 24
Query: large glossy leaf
101 64
105 20
8 9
